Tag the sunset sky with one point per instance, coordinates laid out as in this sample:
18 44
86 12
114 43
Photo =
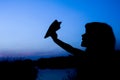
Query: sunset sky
23 24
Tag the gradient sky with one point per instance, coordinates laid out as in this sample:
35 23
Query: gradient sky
23 23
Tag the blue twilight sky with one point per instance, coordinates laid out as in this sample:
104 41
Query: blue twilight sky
23 23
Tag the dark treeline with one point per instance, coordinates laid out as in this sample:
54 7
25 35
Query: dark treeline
17 70
67 62
27 69
57 62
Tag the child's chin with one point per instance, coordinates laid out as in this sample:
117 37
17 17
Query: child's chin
83 44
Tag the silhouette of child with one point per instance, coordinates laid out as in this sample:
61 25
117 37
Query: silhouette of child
98 38
96 60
